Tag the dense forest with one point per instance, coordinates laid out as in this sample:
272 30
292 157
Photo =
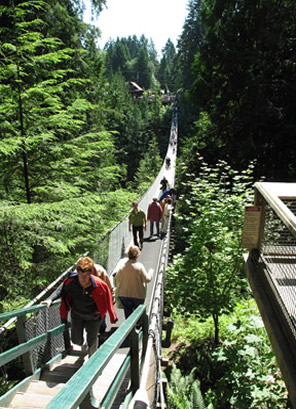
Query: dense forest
76 147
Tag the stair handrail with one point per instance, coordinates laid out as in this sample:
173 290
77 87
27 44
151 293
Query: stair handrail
24 311
80 384
26 347
21 349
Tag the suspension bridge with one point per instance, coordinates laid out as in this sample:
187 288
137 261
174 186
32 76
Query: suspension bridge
126 369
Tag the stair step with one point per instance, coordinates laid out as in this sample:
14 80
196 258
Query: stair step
57 376
40 391
29 401
62 371
38 395
44 388
71 359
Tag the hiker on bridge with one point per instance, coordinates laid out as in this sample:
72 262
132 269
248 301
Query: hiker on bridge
89 299
164 183
138 222
171 192
166 214
99 271
130 281
154 215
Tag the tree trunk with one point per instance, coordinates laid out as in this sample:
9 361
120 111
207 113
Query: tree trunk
22 129
216 323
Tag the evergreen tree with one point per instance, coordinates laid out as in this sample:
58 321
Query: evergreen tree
166 67
245 80
188 45
143 69
46 143
131 58
149 167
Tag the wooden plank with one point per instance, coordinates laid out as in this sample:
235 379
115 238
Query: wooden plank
272 193
44 388
105 380
30 401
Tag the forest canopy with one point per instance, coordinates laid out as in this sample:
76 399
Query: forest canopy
72 138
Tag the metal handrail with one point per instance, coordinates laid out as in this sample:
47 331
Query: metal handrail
21 349
24 311
81 382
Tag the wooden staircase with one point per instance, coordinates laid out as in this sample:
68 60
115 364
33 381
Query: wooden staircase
38 391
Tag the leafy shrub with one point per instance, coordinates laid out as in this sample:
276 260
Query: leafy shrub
207 279
241 371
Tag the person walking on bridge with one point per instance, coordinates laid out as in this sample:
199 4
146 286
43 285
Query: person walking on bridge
138 222
89 299
164 184
166 214
99 271
154 216
130 281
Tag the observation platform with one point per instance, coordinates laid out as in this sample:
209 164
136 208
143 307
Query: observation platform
270 268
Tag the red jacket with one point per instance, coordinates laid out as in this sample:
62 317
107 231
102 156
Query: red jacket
154 212
100 293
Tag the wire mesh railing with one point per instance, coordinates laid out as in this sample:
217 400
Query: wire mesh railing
278 253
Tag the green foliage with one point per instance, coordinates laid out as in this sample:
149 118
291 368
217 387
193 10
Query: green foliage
166 67
132 58
137 123
6 384
241 372
188 45
148 168
242 77
183 392
49 138
251 378
61 165
38 242
209 223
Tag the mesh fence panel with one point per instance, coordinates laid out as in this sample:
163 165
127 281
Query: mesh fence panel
278 251
38 324
112 247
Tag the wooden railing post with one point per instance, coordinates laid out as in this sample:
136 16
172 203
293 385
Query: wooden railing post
135 370
22 337
259 201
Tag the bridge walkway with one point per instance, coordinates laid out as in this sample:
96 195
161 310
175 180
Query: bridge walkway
39 392
51 380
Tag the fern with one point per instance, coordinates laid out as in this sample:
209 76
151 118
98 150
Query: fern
183 392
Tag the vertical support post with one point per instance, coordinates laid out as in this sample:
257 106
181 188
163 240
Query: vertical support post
22 337
135 371
259 201
145 324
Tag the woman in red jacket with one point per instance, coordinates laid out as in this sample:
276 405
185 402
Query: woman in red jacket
89 299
